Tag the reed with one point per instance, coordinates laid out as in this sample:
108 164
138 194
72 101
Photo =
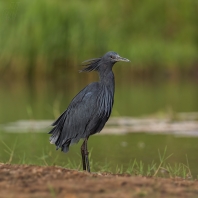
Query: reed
39 36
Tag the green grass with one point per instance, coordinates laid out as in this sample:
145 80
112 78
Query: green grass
138 168
42 37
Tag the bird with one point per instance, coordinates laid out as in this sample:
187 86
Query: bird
89 110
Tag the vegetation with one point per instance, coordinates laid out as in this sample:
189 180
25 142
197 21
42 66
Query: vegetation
38 36
161 169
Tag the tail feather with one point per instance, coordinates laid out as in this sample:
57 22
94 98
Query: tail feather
56 131
55 135
65 147
52 131
59 139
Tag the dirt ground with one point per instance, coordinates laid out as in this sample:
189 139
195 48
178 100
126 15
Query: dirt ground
28 181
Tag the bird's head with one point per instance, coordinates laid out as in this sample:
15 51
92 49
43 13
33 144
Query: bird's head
109 59
113 57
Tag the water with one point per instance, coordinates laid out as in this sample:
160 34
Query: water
47 99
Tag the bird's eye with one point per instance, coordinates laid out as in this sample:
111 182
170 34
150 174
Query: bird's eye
111 56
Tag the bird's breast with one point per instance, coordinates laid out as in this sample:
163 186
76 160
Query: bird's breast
105 101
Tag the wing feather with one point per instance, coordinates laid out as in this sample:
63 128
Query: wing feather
87 114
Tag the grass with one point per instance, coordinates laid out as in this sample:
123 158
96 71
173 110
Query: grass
42 37
162 158
155 169
9 151
161 169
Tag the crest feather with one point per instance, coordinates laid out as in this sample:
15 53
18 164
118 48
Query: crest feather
91 65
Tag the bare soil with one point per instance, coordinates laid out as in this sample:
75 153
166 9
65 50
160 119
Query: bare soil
22 181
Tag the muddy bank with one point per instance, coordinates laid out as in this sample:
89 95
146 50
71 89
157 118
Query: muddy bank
21 181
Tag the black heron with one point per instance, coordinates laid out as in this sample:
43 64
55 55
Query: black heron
90 108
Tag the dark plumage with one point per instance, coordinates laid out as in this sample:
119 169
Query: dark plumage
90 109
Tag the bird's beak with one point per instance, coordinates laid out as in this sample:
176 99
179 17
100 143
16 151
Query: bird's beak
119 58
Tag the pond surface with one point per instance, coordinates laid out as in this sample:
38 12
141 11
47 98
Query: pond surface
47 99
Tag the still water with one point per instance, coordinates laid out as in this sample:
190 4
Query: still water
45 100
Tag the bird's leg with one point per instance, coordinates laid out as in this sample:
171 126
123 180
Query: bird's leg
85 156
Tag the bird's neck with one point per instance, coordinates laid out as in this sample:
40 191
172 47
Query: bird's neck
107 79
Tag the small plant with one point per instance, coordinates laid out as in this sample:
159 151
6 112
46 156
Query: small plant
23 160
179 170
72 165
43 158
9 151
119 169
163 169
106 167
162 158
136 168
151 168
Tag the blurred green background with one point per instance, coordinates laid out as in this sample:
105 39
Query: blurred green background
42 44
41 37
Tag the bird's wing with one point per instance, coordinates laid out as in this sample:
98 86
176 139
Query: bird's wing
71 125
77 101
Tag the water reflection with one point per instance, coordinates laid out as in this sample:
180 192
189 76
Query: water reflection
47 99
